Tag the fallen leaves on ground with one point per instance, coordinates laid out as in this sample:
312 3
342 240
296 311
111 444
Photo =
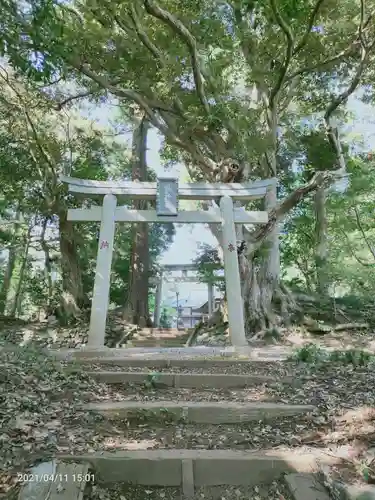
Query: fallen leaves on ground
40 413
39 408
276 491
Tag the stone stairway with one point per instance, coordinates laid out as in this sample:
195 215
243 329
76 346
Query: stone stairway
181 419
149 337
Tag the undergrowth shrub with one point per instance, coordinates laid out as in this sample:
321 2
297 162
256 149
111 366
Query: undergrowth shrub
311 353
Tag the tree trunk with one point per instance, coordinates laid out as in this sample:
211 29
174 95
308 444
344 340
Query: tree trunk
9 266
73 298
262 284
47 267
16 305
269 275
7 279
321 250
136 309
267 301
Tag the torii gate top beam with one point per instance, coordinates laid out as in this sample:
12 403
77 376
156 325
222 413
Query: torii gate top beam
179 267
166 271
148 190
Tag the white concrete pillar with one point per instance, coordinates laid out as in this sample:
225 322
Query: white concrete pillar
158 297
210 288
239 237
100 299
232 275
239 227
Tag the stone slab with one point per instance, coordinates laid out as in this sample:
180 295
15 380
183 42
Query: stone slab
365 492
199 412
248 353
55 481
187 473
210 467
184 380
306 487
138 352
189 363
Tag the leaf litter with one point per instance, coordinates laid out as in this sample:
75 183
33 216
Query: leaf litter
275 491
41 414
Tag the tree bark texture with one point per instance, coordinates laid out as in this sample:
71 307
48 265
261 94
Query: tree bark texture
73 298
136 309
321 249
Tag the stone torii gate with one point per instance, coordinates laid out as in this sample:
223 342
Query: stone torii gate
166 192
164 276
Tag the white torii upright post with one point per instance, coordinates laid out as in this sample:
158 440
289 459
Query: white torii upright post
167 193
100 298
158 298
211 298
232 275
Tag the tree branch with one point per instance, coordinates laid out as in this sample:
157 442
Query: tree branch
332 132
142 35
289 51
72 98
310 25
352 87
123 93
157 54
147 105
338 57
354 255
30 123
360 227
283 208
178 27
289 95
365 51
49 84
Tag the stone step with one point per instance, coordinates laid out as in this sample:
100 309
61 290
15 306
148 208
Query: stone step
304 486
141 353
197 412
156 343
199 363
191 469
158 339
174 353
162 332
185 380
160 335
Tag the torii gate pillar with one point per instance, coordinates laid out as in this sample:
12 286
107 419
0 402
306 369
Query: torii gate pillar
100 297
232 275
158 297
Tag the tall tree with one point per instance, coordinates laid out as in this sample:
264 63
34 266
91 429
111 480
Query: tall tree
137 302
